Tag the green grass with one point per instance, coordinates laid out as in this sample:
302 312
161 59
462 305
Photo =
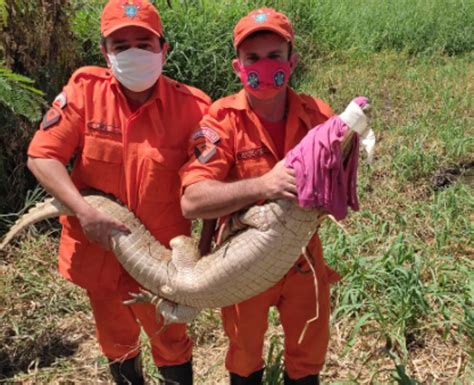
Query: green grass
407 262
200 33
41 313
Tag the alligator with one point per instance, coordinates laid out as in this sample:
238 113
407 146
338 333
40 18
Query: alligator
262 245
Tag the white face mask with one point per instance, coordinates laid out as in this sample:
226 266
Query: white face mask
137 69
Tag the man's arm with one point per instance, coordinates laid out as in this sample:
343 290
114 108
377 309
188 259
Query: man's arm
54 177
210 199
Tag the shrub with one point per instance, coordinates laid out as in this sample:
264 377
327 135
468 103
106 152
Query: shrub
20 105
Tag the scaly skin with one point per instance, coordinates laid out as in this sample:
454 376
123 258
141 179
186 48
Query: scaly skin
246 264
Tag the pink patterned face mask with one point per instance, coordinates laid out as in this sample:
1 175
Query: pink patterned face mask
265 78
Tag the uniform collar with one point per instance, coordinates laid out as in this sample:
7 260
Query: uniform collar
240 101
297 117
157 94
296 105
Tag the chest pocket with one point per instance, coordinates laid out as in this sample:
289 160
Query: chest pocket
160 181
101 164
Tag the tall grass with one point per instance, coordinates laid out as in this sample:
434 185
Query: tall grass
200 32
407 259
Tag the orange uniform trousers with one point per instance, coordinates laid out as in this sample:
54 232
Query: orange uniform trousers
118 327
295 298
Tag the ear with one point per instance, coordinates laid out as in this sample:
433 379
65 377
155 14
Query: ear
164 50
104 52
294 59
236 66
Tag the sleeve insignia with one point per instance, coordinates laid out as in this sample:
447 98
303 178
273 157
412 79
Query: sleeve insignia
51 118
60 101
208 133
204 152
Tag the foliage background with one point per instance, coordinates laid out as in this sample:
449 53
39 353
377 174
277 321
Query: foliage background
47 39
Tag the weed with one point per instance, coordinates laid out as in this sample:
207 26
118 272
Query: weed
274 362
402 378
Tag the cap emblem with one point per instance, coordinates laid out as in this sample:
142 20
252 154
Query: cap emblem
261 17
130 9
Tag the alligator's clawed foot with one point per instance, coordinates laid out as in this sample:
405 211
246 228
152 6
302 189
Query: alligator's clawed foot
143 296
170 311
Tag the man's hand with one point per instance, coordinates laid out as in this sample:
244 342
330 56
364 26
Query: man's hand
279 182
98 227
209 199
55 179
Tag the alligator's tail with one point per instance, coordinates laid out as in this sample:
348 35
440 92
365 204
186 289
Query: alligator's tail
49 208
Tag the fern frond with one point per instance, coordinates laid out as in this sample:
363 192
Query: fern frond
18 94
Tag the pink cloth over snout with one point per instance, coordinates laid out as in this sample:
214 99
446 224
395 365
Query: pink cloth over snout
361 101
323 180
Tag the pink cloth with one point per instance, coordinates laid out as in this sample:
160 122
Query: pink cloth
362 101
322 179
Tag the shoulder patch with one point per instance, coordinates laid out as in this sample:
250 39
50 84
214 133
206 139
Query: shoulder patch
52 117
208 133
60 101
205 140
204 152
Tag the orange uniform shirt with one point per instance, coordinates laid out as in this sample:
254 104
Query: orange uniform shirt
133 155
232 143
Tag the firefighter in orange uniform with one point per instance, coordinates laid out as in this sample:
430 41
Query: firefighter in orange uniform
125 127
236 162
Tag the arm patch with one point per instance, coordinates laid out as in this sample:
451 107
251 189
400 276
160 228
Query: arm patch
208 133
51 118
204 152
205 140
60 100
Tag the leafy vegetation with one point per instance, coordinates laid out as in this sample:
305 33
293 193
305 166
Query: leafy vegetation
407 259
18 94
20 106
403 311
37 45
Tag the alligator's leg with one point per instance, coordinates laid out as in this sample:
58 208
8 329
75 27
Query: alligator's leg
170 311
143 297
184 252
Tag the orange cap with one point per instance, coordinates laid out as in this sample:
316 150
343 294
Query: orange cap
263 19
125 13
